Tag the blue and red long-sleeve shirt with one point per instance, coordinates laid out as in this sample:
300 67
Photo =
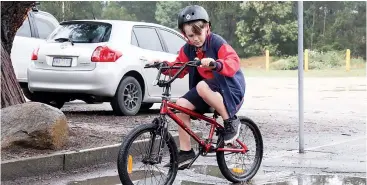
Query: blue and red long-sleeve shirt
228 73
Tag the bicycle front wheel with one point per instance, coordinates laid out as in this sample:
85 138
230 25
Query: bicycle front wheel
238 167
143 154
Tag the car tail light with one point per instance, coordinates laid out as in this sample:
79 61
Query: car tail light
35 54
105 54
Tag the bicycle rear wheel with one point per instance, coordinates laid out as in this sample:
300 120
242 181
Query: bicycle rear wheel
136 165
237 167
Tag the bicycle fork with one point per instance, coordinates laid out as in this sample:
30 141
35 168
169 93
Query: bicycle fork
161 130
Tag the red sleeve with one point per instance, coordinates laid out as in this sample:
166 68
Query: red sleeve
180 58
228 60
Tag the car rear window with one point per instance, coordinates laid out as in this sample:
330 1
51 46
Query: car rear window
83 32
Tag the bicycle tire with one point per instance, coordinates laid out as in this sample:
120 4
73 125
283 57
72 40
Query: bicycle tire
122 160
258 155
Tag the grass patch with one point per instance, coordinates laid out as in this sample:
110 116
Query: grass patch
321 64
318 61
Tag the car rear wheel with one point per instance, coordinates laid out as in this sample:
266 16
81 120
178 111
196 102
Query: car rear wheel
128 97
42 98
146 106
56 103
29 95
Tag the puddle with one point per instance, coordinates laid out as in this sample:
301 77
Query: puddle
322 180
192 183
107 180
115 180
207 170
215 172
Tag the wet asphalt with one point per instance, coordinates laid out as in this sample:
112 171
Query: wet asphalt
334 135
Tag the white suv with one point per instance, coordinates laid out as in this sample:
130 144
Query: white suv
103 60
34 31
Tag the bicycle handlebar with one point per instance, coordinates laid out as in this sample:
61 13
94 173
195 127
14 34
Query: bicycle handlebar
163 66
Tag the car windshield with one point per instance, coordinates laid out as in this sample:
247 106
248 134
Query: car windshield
83 32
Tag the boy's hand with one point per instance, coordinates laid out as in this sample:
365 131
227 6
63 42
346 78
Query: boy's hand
205 62
155 60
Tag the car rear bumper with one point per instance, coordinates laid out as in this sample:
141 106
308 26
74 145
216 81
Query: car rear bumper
100 82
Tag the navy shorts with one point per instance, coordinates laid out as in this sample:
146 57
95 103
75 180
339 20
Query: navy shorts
193 97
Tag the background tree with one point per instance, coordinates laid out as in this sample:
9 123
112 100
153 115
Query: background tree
167 11
250 27
13 13
68 10
268 25
143 10
114 11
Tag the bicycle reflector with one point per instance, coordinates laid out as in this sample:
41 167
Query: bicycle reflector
130 164
237 170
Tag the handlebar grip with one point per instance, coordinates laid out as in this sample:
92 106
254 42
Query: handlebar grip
212 64
154 65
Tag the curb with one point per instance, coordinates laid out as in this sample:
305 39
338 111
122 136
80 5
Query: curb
32 166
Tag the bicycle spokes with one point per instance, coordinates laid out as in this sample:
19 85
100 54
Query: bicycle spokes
240 163
146 160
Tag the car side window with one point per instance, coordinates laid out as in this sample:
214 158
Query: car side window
173 41
44 26
25 29
148 38
133 39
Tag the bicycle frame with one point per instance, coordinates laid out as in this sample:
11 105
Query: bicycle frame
166 111
166 104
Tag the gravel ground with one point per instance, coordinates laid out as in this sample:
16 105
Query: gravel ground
333 106
92 128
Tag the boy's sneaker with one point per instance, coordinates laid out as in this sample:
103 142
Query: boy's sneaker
232 129
184 157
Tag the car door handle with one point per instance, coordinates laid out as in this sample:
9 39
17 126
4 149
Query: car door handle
143 59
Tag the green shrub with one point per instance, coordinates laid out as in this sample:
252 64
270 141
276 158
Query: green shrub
288 63
317 60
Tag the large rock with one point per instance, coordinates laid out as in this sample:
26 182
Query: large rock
35 125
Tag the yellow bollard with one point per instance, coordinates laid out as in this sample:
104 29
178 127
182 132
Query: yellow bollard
306 60
267 60
130 164
347 60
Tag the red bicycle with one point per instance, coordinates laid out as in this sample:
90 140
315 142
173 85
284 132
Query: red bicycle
149 147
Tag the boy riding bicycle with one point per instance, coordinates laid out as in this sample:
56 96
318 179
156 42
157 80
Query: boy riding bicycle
221 86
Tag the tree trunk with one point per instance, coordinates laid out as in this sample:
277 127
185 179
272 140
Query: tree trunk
11 93
13 13
323 33
313 26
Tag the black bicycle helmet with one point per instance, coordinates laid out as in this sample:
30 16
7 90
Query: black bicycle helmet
192 13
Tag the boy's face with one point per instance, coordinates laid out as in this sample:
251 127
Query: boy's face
196 39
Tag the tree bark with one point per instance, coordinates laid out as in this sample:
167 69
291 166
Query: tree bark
313 27
13 14
11 93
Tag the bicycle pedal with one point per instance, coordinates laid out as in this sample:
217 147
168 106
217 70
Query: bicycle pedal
183 167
